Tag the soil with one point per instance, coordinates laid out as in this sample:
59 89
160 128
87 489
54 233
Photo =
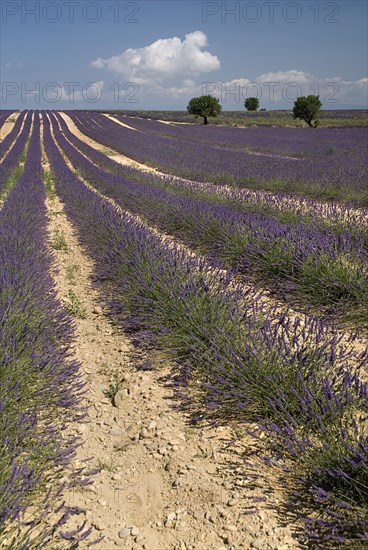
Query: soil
7 127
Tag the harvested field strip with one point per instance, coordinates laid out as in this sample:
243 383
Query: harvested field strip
300 384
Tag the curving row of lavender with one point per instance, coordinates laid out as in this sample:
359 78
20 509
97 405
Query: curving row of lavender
308 263
12 159
341 175
39 385
249 362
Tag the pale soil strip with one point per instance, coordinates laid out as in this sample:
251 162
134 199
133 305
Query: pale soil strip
111 117
108 152
224 190
161 485
171 122
8 125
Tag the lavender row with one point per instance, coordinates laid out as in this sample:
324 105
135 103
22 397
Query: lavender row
249 363
8 140
333 176
39 384
310 264
284 207
13 158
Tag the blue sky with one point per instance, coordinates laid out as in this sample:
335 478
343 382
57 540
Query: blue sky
158 54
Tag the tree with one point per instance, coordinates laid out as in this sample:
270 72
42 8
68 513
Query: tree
204 106
307 108
251 103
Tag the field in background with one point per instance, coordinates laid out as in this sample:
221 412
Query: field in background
353 117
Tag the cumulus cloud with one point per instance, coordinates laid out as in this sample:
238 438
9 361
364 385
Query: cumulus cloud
163 59
286 76
282 87
186 90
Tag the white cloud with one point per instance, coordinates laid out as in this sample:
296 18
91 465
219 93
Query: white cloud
18 64
163 59
188 82
186 91
286 76
282 87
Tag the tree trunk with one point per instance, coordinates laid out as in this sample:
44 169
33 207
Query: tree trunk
205 121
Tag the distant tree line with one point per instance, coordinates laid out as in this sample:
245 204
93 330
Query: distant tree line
305 108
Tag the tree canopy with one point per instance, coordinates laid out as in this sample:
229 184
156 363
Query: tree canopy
251 103
204 106
307 108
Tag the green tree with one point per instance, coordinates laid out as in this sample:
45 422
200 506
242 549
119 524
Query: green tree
251 103
204 106
307 108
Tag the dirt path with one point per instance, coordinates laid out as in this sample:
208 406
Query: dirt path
122 159
120 122
8 125
160 484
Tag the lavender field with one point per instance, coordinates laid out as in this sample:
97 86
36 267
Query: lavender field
243 259
329 164
329 118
